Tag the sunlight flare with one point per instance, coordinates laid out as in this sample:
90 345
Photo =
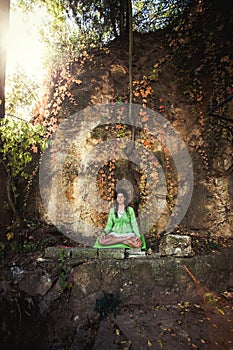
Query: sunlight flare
24 47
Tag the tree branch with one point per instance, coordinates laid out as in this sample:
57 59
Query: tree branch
211 112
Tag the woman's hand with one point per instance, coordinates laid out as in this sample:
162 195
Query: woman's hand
103 234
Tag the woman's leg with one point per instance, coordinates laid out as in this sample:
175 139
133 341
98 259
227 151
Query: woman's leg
110 240
133 242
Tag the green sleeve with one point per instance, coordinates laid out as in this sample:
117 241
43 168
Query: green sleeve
110 221
134 223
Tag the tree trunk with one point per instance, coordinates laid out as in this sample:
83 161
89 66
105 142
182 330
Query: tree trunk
4 22
131 67
6 215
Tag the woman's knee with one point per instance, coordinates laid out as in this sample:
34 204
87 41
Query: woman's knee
138 243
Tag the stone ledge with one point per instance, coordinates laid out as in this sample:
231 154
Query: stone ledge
84 253
76 253
179 246
93 253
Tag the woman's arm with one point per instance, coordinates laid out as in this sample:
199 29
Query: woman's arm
110 221
133 222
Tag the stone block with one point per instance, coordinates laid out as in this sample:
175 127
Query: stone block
35 284
108 253
84 253
54 252
176 245
135 253
74 253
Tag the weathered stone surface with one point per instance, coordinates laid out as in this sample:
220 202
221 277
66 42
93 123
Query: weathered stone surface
106 338
48 300
35 284
177 245
211 207
135 253
98 86
146 286
108 253
89 253
76 253
83 339
54 252
86 279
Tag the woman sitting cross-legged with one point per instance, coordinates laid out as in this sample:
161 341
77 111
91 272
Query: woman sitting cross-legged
121 225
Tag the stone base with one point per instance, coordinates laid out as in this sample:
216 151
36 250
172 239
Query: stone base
135 253
176 245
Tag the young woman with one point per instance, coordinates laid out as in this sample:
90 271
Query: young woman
122 225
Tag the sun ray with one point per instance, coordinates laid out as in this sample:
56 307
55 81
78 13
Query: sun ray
24 46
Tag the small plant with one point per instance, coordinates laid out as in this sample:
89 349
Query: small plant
121 129
212 245
29 246
211 299
45 241
107 305
17 248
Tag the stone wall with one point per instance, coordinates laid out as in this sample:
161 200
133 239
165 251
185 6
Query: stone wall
156 294
148 279
211 207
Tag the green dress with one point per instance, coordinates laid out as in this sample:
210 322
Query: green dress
126 223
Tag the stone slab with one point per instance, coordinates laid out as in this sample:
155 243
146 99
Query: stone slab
176 245
76 253
135 253
89 253
108 253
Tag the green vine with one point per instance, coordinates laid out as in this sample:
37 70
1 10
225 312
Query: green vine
19 141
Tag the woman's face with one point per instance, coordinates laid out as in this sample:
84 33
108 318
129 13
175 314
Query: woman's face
120 198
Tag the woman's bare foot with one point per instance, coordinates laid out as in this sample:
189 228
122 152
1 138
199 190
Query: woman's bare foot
133 242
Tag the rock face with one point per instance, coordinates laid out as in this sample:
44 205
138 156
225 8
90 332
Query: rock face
176 245
86 167
74 192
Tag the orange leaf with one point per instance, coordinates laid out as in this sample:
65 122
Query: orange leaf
146 142
78 81
145 119
34 149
